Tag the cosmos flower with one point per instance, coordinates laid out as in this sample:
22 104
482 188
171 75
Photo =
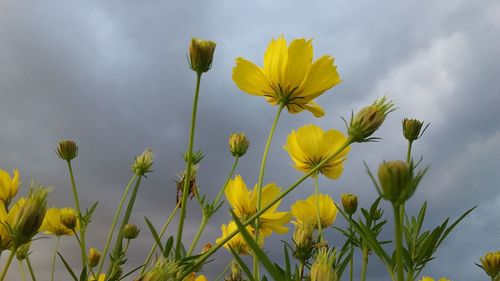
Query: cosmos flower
305 211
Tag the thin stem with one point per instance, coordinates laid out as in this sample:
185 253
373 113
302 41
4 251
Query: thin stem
30 269
187 180
153 248
21 270
126 246
82 225
351 262
364 262
408 153
7 264
54 258
223 188
250 220
260 181
113 224
204 222
399 243
318 214
228 266
126 218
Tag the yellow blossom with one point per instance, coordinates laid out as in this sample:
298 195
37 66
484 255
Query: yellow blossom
193 277
4 231
8 186
288 76
244 204
238 243
305 211
310 145
426 278
52 223
102 277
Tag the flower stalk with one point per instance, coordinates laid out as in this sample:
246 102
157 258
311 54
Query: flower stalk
82 223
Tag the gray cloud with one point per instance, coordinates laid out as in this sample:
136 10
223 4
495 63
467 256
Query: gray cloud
113 76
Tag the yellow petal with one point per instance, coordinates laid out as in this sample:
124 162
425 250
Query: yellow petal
275 60
238 197
300 55
315 109
250 79
322 76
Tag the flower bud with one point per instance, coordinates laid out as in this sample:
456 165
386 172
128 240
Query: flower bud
238 144
322 268
394 177
23 251
8 186
368 120
235 274
93 257
68 218
491 264
27 216
378 214
349 203
143 162
102 277
130 231
67 150
201 54
303 240
206 248
163 270
196 157
412 128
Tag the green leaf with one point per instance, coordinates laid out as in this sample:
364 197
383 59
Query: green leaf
168 246
68 268
155 235
242 264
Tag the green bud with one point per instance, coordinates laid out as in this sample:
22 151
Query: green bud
23 251
67 150
397 181
201 54
303 240
368 120
238 144
143 162
130 231
349 203
412 129
163 270
322 268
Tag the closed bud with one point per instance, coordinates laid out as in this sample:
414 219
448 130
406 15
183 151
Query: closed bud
196 157
67 150
130 231
368 120
322 268
163 270
68 218
238 144
394 177
491 264
23 251
235 274
94 257
143 162
412 129
303 240
201 54
349 203
378 214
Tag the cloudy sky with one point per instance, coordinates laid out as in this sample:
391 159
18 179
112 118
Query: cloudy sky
113 76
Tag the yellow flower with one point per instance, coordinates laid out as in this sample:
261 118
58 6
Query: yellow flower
426 278
244 204
310 145
193 277
4 231
305 211
102 277
288 76
491 263
8 186
52 223
238 243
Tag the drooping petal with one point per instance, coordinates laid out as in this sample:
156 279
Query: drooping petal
322 76
250 78
300 55
275 60
269 193
238 197
315 109
275 221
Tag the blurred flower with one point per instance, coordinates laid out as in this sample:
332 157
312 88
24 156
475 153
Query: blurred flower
305 211
288 76
238 144
201 54
5 235
303 240
8 186
491 263
322 267
143 162
193 277
93 257
67 150
310 145
426 278
23 251
349 203
102 277
69 218
52 223
244 204
369 119
238 243
163 270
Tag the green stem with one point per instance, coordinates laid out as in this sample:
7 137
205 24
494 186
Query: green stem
30 269
153 248
7 264
21 270
187 179
223 188
113 225
399 242
126 218
250 220
204 222
54 259
408 153
82 224
223 272
351 262
364 264
318 214
260 181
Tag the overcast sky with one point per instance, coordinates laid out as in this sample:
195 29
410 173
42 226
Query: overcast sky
113 76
